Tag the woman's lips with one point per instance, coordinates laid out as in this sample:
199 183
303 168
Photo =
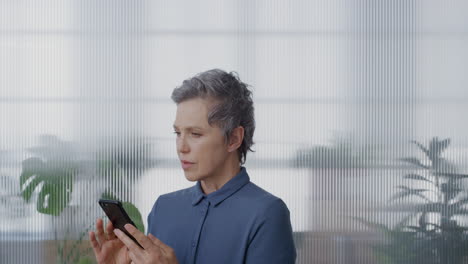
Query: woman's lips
186 164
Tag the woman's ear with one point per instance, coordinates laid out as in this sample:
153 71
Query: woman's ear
235 141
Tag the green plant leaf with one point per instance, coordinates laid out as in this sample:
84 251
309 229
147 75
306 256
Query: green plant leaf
30 177
422 241
415 208
460 211
423 149
57 184
451 175
415 162
408 192
443 165
429 207
436 147
372 225
85 260
450 190
404 194
455 206
53 198
27 192
413 176
135 215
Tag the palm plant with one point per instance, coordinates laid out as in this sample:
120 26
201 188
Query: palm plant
432 231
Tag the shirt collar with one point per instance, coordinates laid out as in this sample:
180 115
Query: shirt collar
228 189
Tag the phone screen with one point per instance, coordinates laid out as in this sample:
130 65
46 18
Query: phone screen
117 215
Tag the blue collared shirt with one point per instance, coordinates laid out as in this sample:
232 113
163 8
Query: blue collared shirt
239 223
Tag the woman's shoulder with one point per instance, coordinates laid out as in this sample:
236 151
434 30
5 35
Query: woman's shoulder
263 201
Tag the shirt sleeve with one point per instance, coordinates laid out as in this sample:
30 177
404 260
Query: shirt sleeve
272 241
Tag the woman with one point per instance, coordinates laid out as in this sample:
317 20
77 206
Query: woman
224 218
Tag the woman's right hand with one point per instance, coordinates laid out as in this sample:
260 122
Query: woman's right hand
108 249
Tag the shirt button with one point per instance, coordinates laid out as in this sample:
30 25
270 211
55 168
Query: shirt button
193 244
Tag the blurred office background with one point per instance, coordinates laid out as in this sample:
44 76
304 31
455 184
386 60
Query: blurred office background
360 110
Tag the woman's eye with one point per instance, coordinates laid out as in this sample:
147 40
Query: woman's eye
177 133
196 134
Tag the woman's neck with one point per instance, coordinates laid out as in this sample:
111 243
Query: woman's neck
221 177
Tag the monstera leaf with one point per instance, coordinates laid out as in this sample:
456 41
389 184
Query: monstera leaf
54 181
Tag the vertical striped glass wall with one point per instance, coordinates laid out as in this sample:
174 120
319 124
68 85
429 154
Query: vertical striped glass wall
360 110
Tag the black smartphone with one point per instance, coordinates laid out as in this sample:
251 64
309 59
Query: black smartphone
117 215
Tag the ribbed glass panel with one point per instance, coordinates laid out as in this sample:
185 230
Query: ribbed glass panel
360 111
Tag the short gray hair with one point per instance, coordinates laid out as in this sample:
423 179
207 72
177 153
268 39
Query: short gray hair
235 107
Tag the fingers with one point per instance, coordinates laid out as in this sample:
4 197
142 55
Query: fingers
136 258
110 230
131 245
100 231
94 243
139 236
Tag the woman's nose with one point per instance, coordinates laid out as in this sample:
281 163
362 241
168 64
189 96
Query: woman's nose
182 145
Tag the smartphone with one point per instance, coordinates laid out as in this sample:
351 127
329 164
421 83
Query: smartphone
117 215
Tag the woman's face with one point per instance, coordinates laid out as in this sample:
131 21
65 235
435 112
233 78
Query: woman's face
201 147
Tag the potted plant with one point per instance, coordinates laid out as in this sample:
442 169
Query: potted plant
431 231
54 170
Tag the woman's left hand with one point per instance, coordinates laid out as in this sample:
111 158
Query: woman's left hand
154 251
